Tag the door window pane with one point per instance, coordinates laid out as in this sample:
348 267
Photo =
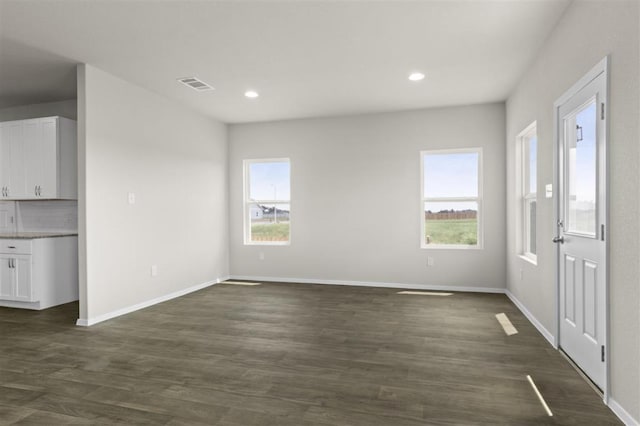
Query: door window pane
580 131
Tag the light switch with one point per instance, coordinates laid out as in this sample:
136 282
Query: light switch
548 190
132 198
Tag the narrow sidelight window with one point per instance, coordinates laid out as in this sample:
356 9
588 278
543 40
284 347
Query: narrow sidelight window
267 201
528 141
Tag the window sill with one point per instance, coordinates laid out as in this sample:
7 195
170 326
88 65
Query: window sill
449 247
267 243
534 262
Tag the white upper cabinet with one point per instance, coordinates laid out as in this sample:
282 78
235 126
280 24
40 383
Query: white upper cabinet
38 159
12 166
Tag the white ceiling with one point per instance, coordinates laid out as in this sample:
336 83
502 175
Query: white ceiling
305 58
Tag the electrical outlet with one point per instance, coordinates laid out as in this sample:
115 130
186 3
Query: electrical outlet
261 255
154 270
430 261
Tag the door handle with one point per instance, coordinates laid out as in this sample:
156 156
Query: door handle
558 240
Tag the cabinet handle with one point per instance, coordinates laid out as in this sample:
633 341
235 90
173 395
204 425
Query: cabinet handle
11 247
13 263
39 191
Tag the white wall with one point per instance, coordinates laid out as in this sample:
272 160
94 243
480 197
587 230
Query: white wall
62 108
175 161
355 185
586 33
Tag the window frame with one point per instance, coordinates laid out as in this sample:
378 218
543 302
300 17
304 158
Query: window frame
478 199
246 201
525 196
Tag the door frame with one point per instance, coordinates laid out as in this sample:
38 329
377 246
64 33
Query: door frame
601 67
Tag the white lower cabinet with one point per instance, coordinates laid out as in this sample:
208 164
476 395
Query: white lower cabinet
15 278
38 273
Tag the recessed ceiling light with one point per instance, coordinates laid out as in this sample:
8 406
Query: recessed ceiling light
251 94
416 76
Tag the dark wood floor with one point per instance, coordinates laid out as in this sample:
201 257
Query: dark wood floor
291 355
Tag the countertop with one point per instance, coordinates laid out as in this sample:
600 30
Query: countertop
34 235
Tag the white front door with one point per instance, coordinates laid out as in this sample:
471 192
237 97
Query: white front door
582 213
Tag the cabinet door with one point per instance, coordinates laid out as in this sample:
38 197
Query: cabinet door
48 185
7 278
32 142
12 160
7 217
24 287
5 157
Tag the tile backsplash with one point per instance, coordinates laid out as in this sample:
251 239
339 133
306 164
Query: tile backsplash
47 215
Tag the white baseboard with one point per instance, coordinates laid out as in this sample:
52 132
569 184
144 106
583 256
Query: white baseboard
371 284
622 414
34 306
537 324
109 315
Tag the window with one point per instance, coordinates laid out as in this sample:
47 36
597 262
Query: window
528 142
451 199
267 201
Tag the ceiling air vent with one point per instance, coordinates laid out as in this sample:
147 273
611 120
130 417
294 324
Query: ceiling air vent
195 84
